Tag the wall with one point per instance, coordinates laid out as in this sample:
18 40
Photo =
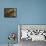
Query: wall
7 25
33 12
28 12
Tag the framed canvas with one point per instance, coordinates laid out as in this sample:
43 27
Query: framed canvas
10 12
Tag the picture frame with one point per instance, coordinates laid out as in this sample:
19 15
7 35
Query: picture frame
10 12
